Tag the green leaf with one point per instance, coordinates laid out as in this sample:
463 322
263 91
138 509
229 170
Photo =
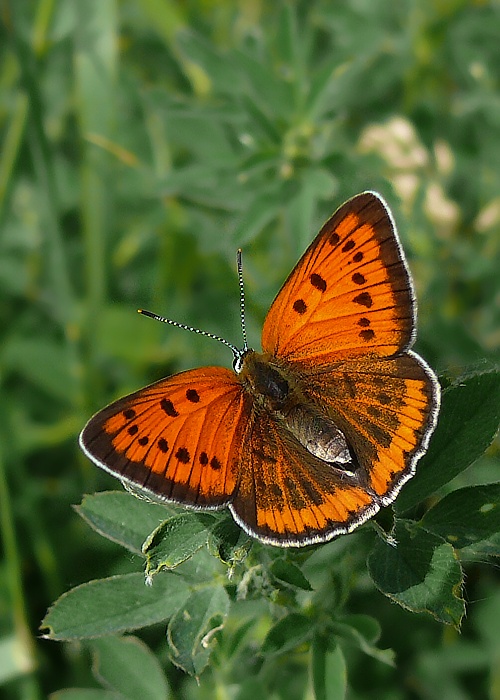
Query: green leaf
128 666
228 541
468 422
191 631
363 631
421 573
176 540
115 604
288 573
365 625
466 516
287 633
122 518
485 548
328 670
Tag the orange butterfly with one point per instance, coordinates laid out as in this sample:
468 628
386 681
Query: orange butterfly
308 439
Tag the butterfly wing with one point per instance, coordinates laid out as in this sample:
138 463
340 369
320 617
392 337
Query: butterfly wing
387 410
178 439
349 295
287 496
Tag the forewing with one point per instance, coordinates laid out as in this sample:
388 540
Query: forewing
349 295
178 439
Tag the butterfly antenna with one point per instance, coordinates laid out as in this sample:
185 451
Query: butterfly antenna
236 352
242 299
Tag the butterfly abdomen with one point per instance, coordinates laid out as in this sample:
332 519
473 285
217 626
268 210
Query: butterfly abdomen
320 436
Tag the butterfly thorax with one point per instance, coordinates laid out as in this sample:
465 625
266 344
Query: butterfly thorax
278 391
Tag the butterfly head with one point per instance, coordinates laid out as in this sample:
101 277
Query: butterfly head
239 356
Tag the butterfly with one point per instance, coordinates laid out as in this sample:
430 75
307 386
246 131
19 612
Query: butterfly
309 438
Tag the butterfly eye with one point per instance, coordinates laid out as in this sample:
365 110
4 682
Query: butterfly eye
238 361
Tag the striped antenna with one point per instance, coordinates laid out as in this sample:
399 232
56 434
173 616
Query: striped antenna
237 352
239 263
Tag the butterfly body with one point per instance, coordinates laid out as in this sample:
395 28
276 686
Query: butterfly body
281 395
308 439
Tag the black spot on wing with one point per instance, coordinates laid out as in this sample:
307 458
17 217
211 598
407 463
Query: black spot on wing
168 407
192 395
318 282
215 463
183 455
162 445
364 299
300 306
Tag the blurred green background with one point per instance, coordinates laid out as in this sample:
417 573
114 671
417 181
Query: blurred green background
142 143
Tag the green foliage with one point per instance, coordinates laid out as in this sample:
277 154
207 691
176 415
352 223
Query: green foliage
142 142
420 571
